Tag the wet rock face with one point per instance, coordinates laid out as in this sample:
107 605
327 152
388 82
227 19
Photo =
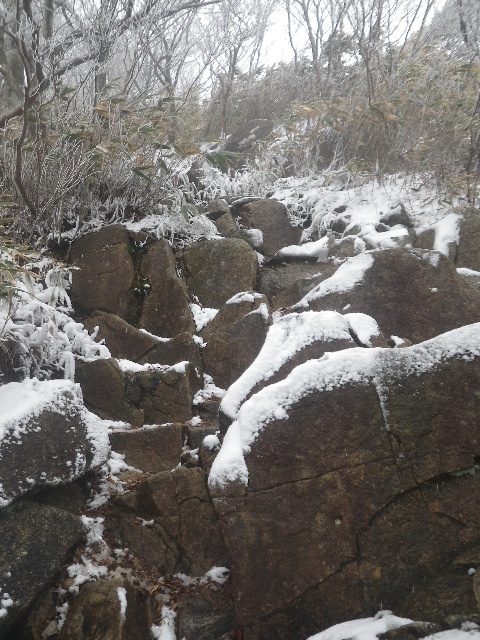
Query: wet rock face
218 269
369 500
139 284
35 540
105 277
235 337
154 396
182 532
270 216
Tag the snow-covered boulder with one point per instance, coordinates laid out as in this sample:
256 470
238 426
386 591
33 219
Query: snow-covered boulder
294 339
47 436
133 276
235 336
442 235
350 481
218 269
397 215
411 294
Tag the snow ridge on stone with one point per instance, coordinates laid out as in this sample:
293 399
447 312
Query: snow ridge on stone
333 370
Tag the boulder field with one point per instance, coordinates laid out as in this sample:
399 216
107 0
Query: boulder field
282 438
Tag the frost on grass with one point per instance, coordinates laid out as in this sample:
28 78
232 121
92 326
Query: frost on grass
348 275
38 323
334 370
287 336
180 229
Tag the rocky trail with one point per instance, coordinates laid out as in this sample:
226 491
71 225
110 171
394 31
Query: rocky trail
280 433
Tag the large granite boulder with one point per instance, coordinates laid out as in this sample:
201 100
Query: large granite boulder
235 337
345 486
139 394
165 311
218 269
35 540
411 294
270 216
133 278
47 436
104 274
169 521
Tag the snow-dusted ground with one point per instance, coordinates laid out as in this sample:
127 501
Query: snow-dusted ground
40 321
365 204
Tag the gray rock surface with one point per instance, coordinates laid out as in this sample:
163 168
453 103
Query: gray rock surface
411 294
235 337
152 449
104 276
35 540
165 311
218 269
270 216
152 396
184 535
